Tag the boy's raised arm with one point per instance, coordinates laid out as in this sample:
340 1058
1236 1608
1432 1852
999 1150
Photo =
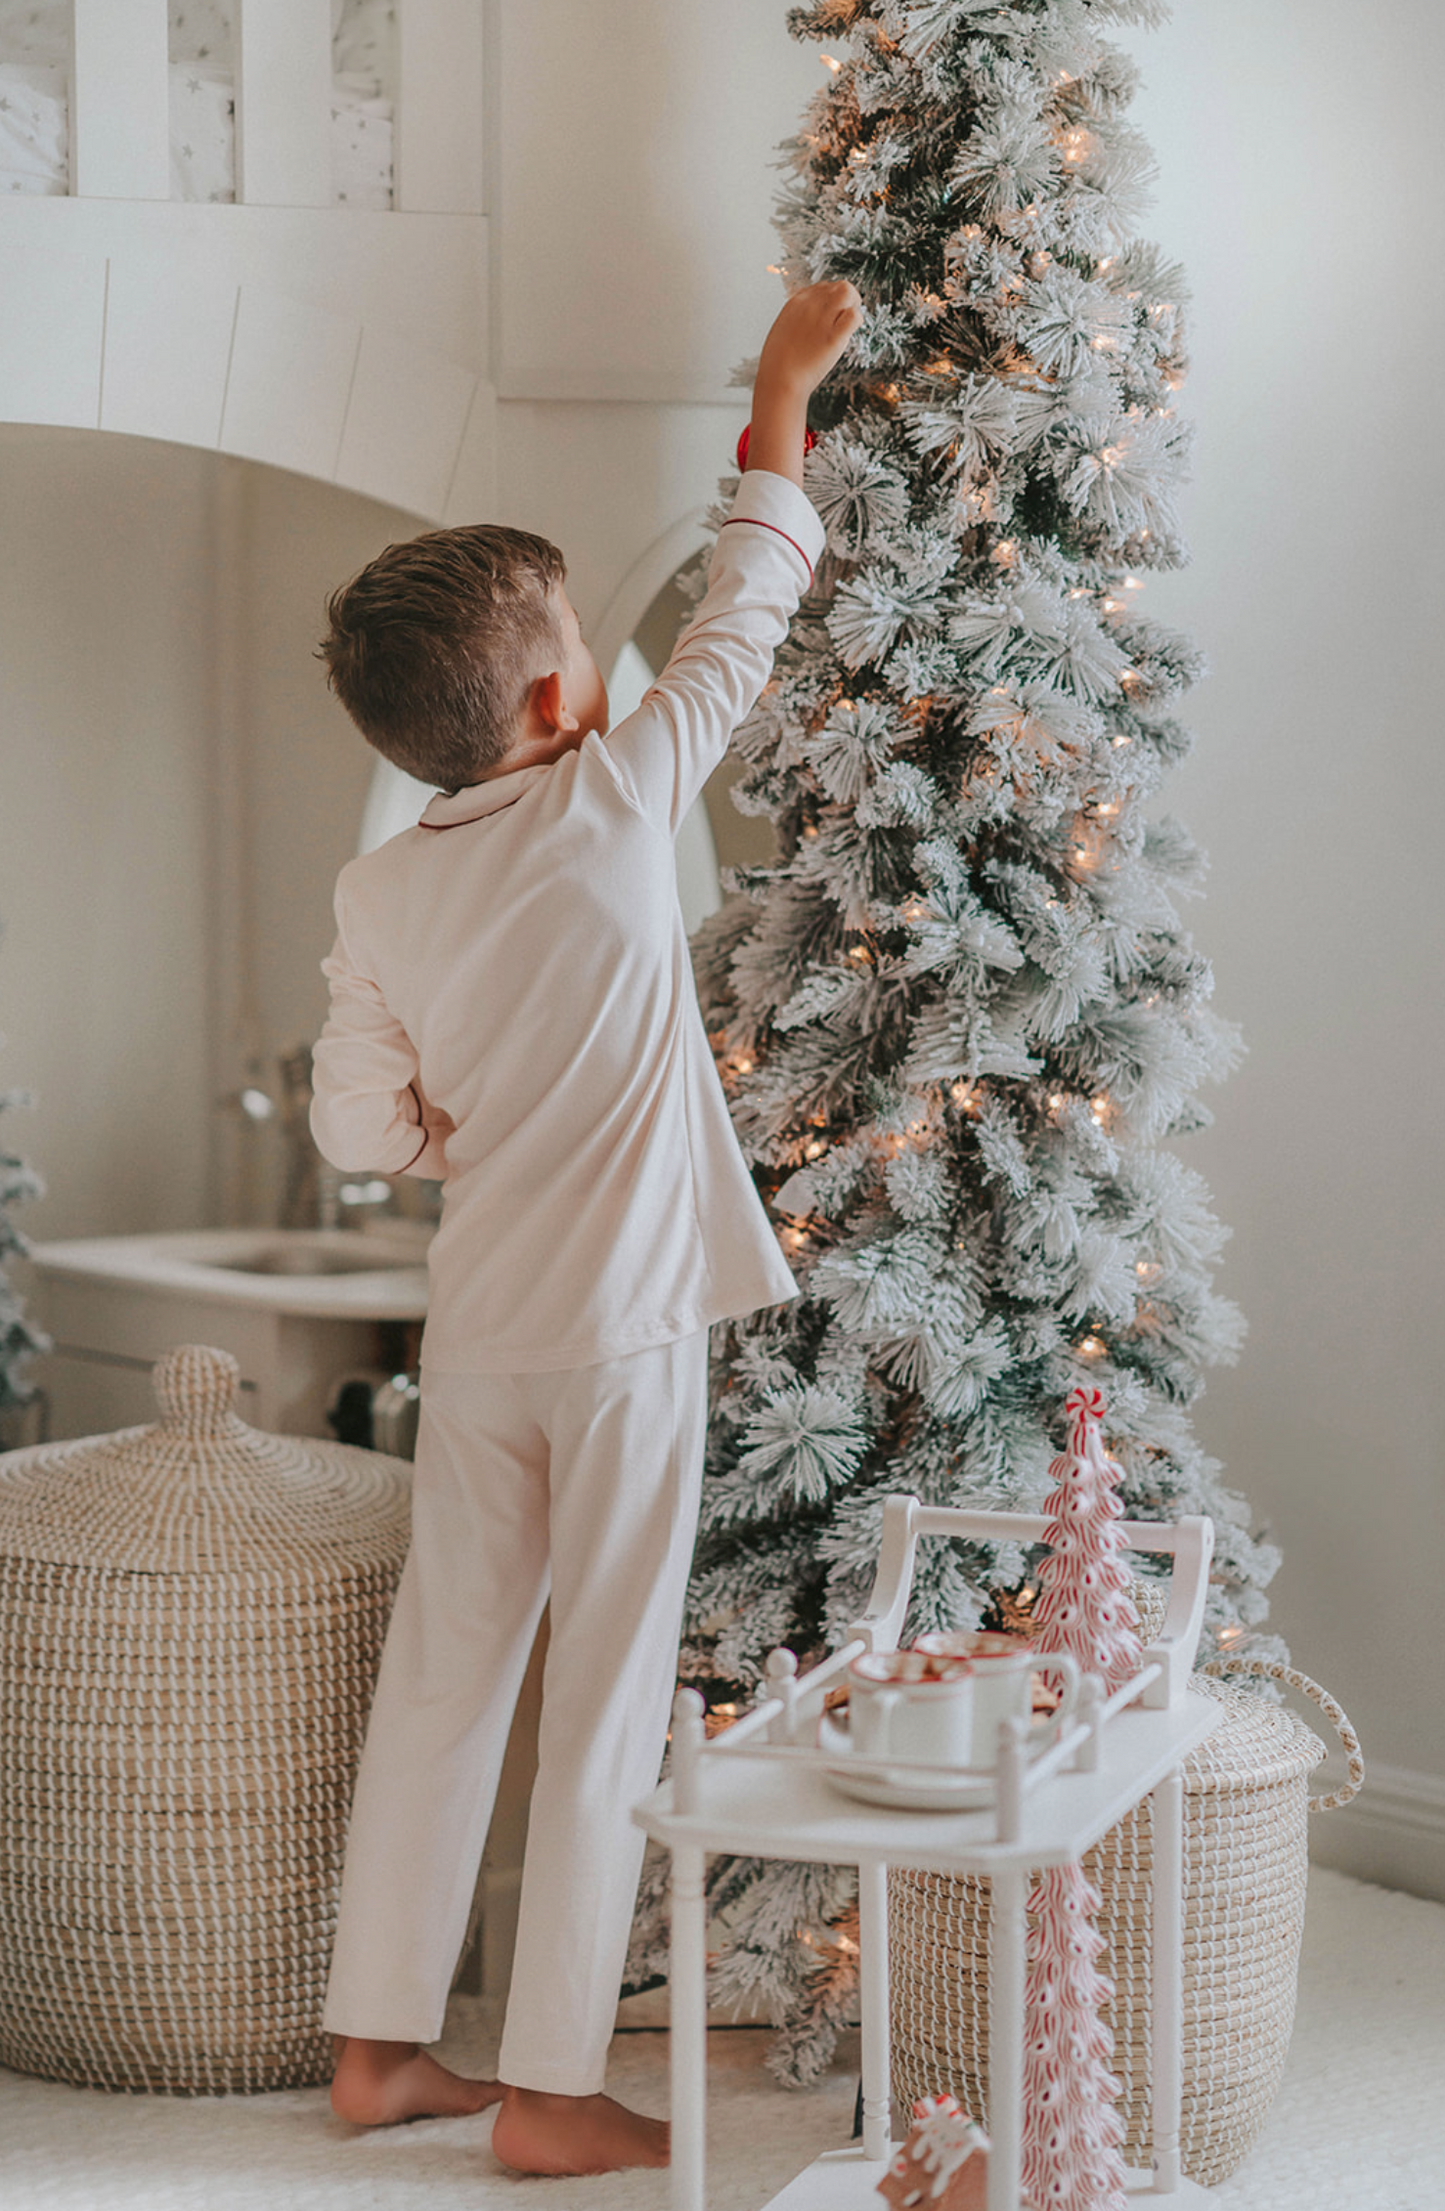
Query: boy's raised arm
762 564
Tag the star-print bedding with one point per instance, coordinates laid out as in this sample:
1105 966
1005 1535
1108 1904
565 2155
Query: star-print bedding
35 104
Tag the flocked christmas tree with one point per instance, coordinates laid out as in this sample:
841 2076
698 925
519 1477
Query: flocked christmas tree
958 1018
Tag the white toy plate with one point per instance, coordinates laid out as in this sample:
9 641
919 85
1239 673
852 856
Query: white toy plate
899 1791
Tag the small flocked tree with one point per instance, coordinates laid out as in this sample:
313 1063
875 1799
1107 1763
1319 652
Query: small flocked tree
1072 2134
958 1018
1084 1604
19 1342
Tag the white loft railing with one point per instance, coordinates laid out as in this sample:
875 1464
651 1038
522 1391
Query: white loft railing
120 103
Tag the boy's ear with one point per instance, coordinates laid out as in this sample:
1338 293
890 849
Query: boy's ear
550 706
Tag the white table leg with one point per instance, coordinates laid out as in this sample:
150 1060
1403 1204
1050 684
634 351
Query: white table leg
1166 2027
873 1993
688 1995
1006 2038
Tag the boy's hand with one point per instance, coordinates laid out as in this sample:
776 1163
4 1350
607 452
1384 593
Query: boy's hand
807 338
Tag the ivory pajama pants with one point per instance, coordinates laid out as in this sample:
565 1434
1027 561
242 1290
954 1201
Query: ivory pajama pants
582 1484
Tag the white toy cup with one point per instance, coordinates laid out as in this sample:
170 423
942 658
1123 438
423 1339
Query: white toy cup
1002 1669
902 1706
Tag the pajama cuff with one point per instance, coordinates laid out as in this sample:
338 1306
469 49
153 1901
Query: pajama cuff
429 1162
776 504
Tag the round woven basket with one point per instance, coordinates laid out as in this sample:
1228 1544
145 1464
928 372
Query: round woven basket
1246 1802
191 1617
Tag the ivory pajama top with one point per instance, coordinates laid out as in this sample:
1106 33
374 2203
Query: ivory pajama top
513 1011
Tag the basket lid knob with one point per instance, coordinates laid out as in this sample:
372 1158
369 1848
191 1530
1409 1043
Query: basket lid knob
196 1387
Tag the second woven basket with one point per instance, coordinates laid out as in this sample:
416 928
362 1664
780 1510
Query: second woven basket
191 1618
1246 1802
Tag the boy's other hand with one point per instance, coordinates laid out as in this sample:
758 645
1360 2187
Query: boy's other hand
809 335
807 338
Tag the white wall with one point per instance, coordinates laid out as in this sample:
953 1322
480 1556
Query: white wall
633 145
1300 188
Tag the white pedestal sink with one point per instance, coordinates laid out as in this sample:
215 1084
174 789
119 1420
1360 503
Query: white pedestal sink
299 1308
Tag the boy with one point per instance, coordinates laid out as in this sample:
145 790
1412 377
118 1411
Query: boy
512 1010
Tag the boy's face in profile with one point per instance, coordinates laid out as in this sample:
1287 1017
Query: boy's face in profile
583 690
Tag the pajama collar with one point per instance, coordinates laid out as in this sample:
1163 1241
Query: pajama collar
477 800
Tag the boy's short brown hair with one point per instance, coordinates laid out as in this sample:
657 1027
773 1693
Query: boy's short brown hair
433 647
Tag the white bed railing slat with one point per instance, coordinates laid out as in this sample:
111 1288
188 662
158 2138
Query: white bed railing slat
120 100
437 148
283 102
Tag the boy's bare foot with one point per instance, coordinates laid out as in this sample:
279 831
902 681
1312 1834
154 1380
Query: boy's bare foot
378 2084
537 2133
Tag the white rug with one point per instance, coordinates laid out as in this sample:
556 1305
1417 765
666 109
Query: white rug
1357 2125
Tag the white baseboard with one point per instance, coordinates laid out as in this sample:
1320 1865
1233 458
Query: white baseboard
1392 1833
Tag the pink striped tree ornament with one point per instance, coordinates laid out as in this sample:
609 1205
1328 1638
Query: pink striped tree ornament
1072 2134
1084 1605
1072 2159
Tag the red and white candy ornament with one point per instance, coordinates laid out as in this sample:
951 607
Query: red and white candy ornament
1085 1605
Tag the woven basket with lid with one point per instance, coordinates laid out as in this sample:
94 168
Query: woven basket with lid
191 1618
1246 1802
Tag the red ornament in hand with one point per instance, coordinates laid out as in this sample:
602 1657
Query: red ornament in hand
809 441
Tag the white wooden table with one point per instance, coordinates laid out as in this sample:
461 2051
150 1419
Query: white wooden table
760 1790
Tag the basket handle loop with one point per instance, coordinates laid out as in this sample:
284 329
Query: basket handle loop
1272 1670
